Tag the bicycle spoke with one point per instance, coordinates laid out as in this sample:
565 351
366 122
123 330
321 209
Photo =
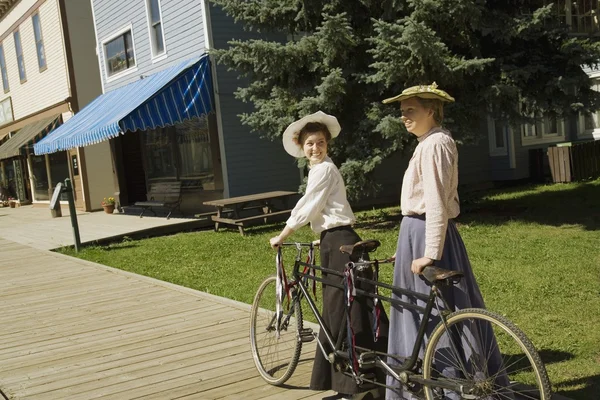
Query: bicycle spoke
276 351
490 347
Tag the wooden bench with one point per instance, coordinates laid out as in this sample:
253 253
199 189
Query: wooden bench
162 195
241 222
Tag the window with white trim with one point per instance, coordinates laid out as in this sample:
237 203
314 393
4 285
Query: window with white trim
20 59
498 136
581 16
547 126
589 123
3 70
119 53
39 40
155 25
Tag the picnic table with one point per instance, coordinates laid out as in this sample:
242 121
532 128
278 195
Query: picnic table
244 210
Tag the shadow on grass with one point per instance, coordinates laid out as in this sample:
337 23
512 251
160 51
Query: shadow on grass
119 246
554 356
112 246
591 389
574 204
383 222
569 205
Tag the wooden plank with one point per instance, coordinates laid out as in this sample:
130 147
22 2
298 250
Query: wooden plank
240 221
248 198
568 164
77 331
552 163
561 164
262 216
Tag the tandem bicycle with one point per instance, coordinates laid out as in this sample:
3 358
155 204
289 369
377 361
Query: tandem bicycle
469 354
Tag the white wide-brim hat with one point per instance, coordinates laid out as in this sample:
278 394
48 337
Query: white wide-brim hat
292 145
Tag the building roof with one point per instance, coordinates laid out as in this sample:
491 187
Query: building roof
5 6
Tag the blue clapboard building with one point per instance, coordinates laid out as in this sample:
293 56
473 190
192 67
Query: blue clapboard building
168 112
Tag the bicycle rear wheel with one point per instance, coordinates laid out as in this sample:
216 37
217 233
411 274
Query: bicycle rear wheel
276 357
488 355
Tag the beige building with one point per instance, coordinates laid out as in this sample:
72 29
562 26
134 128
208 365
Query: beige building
48 71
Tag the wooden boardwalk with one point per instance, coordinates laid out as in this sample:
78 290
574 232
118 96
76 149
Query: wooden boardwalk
73 329
36 228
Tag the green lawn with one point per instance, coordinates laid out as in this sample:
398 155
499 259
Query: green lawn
535 252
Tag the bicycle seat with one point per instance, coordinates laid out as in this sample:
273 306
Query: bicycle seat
359 248
436 275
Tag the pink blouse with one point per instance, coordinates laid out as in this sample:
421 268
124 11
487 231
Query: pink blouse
430 187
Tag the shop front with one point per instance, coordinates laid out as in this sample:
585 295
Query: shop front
161 129
29 178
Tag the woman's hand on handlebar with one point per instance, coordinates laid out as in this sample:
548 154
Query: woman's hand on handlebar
275 242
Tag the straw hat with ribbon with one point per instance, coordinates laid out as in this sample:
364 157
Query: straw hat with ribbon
422 91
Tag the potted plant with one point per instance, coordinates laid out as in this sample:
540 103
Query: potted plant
108 203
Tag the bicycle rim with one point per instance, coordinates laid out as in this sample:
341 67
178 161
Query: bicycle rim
487 354
276 356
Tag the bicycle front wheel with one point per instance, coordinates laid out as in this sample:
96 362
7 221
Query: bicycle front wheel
275 354
488 355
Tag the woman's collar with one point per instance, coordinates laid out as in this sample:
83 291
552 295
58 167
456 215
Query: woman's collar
326 159
430 132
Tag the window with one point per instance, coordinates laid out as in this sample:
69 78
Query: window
531 130
551 124
160 154
20 60
583 15
182 151
498 135
39 178
589 122
193 142
548 126
119 53
39 41
3 70
156 29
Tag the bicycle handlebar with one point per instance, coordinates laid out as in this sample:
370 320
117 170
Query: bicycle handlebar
364 263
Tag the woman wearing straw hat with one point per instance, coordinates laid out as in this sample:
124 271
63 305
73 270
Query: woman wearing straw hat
429 203
325 206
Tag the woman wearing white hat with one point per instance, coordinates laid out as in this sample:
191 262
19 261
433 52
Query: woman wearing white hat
326 208
428 235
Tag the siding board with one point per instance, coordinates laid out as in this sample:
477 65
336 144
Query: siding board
253 164
42 89
182 25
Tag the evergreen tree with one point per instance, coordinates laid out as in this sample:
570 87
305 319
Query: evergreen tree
511 58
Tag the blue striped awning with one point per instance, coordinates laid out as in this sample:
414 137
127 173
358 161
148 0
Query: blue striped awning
165 98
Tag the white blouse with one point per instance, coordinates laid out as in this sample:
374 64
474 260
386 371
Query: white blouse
430 187
324 205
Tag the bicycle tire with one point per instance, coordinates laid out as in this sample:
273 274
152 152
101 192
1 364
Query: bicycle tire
275 358
528 379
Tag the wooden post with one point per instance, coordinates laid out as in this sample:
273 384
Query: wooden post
3 179
48 175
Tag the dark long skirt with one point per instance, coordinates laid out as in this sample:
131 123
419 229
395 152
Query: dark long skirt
324 375
404 323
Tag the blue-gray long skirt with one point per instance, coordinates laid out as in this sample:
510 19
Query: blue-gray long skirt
404 323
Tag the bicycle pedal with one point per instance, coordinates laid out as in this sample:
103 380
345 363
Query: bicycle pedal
368 376
306 335
367 360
